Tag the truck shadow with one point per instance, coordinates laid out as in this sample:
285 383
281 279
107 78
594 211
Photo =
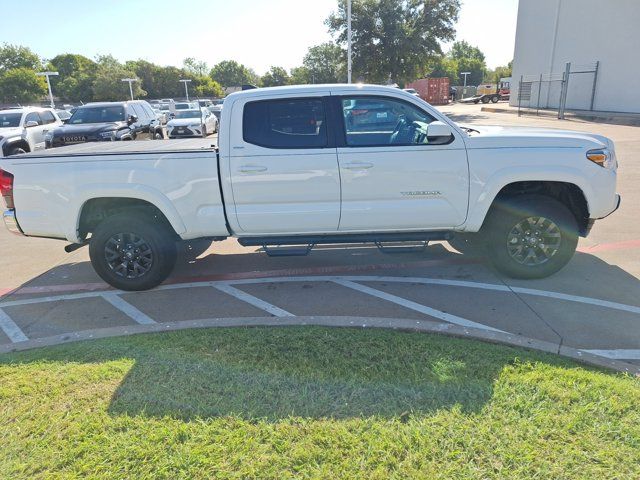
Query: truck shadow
279 373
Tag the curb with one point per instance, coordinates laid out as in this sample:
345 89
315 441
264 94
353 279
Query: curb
422 326
628 120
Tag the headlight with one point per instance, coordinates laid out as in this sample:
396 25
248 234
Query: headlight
602 157
108 135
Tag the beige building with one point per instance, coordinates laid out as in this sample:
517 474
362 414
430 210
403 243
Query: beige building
590 34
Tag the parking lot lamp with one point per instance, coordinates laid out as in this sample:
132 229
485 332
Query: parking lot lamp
49 74
130 80
349 64
464 89
186 87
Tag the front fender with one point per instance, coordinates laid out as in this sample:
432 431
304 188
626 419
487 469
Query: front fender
134 191
484 191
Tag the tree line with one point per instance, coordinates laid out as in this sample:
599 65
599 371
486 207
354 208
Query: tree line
394 41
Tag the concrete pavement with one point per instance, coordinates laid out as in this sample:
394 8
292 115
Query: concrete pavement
593 304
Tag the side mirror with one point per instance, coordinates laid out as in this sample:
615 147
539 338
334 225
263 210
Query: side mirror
439 130
132 119
31 123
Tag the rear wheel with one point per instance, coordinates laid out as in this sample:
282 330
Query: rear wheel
530 236
495 99
486 99
132 251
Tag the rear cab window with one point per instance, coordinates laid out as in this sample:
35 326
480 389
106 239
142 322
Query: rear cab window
290 123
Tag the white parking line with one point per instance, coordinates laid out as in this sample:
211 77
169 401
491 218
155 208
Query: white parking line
620 354
256 302
128 309
447 317
10 328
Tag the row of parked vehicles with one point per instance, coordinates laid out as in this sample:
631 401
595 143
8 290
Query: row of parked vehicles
29 129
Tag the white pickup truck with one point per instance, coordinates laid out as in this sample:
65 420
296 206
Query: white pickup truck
315 164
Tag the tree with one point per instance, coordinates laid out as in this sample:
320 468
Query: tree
108 84
275 77
21 85
16 56
445 67
494 76
204 86
230 73
300 76
468 59
195 67
77 74
326 63
462 49
394 39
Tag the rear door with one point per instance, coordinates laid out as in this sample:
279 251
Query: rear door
394 177
284 166
35 133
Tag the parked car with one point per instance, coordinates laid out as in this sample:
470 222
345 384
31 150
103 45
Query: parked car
23 129
289 171
216 110
161 115
412 91
107 121
63 115
186 106
192 123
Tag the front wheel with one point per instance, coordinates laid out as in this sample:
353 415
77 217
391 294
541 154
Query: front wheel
204 131
531 236
132 251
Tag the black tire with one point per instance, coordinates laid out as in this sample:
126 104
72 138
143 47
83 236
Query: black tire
16 151
476 101
157 238
486 99
548 245
204 131
158 135
495 99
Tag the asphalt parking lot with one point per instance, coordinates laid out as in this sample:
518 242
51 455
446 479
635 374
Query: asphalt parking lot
592 305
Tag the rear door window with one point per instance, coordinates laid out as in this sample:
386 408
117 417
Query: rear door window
47 117
33 117
292 123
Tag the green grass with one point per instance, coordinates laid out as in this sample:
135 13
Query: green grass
309 402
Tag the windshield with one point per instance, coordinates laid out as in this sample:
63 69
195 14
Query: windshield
188 114
8 120
108 114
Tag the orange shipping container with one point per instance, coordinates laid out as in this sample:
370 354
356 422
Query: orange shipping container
433 90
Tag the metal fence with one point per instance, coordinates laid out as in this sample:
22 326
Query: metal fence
573 89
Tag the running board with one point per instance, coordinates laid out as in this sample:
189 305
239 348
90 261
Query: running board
377 238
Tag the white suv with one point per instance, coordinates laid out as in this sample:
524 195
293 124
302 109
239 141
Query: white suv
23 130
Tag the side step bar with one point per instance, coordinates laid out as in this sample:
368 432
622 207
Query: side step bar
344 238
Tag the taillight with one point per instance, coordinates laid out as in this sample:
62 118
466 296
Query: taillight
6 188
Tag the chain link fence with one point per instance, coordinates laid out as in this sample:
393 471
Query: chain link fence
574 89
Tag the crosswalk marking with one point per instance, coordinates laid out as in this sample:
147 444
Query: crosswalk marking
128 309
10 328
256 302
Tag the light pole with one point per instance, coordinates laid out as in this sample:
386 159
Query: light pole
130 80
464 89
186 88
349 64
49 74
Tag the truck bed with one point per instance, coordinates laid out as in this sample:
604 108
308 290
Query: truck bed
121 148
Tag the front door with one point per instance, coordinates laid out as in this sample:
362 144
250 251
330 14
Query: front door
393 176
283 166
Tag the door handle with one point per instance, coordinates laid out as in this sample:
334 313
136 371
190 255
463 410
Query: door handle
358 166
252 169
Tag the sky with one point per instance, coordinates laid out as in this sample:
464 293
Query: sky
257 33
